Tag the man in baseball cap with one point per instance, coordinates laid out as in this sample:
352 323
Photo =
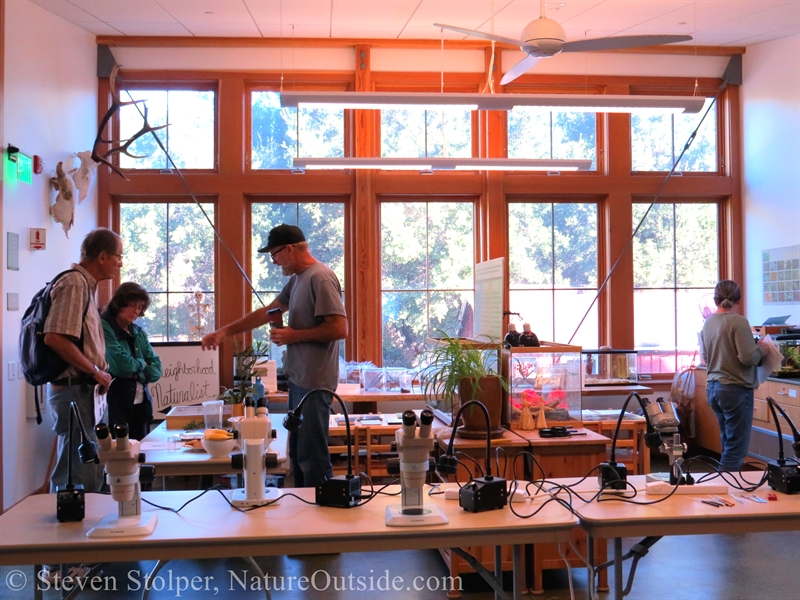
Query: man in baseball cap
317 321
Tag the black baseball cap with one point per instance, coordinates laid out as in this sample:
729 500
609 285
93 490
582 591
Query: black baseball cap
283 235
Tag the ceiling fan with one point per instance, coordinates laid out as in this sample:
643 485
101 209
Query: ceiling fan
544 37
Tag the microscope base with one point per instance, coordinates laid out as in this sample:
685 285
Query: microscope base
239 498
431 515
116 526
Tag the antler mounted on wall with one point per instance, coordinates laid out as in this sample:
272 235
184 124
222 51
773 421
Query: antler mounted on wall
118 146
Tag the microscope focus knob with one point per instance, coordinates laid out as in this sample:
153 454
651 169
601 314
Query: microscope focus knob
237 461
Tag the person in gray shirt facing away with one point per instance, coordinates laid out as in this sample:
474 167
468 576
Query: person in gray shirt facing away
732 356
317 321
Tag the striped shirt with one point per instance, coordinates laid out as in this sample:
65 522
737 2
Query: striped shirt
69 295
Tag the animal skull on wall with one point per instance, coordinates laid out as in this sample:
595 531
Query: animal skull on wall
63 210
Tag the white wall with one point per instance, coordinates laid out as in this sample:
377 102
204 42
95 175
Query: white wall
771 179
50 110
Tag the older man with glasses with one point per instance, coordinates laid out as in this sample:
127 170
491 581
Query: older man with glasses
317 321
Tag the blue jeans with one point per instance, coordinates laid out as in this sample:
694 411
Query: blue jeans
308 446
733 405
58 401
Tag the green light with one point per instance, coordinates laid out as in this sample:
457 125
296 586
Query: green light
24 168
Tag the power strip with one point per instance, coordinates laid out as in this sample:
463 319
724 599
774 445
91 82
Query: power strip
662 488
519 495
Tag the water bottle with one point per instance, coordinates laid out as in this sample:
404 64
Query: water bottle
527 337
512 337
258 389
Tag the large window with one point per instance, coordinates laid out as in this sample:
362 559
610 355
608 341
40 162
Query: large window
658 139
323 226
552 249
427 283
542 134
675 268
420 133
278 135
169 250
189 138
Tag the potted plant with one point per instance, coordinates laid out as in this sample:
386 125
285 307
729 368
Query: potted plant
457 371
244 360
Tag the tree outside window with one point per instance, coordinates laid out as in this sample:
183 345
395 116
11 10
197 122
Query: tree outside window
278 135
169 250
552 249
427 275
323 226
534 133
658 139
189 139
675 269
420 133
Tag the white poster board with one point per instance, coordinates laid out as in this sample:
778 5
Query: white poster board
489 287
190 375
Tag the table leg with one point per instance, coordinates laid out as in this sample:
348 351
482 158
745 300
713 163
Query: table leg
498 567
618 589
518 572
590 558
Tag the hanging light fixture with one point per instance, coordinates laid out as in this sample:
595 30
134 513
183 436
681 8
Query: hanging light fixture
443 164
466 101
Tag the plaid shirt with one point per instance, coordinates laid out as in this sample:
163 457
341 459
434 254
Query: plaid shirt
69 296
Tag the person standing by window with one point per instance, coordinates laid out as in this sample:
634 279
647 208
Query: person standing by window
732 356
131 360
317 321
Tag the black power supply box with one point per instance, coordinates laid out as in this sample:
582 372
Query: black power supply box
341 492
612 476
486 493
70 503
784 478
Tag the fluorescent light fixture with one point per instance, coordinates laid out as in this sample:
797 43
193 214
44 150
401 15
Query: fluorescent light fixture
429 100
443 164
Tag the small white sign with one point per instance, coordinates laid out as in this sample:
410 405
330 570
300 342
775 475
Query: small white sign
268 371
36 239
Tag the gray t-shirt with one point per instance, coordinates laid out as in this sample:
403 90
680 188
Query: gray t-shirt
311 295
729 350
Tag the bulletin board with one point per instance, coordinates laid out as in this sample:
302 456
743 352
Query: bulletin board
781 281
190 375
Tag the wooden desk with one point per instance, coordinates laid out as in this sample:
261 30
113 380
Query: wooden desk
189 462
363 402
366 436
573 456
682 515
209 528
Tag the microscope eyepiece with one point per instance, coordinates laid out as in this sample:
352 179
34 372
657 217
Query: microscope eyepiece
121 430
101 431
409 417
426 416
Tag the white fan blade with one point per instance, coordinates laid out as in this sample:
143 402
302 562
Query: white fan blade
519 69
480 34
622 41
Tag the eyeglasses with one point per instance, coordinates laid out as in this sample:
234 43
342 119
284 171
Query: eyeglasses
119 256
272 255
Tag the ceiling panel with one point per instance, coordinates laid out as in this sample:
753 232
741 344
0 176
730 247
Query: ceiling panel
223 29
143 11
129 28
67 11
200 12
713 22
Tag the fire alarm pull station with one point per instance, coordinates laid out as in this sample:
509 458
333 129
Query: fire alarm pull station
36 239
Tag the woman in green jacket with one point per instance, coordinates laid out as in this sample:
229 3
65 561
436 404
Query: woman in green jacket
131 360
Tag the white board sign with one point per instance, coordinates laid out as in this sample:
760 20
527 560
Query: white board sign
489 286
190 375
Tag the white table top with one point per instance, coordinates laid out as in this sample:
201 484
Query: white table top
185 461
685 514
209 528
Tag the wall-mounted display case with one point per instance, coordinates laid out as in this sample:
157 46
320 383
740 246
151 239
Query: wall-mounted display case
609 367
547 376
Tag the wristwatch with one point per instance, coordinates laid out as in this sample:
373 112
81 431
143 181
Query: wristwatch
96 369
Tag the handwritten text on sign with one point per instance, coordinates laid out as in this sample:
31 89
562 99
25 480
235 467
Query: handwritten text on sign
189 376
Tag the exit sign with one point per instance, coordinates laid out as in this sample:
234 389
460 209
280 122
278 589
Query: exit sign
24 168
